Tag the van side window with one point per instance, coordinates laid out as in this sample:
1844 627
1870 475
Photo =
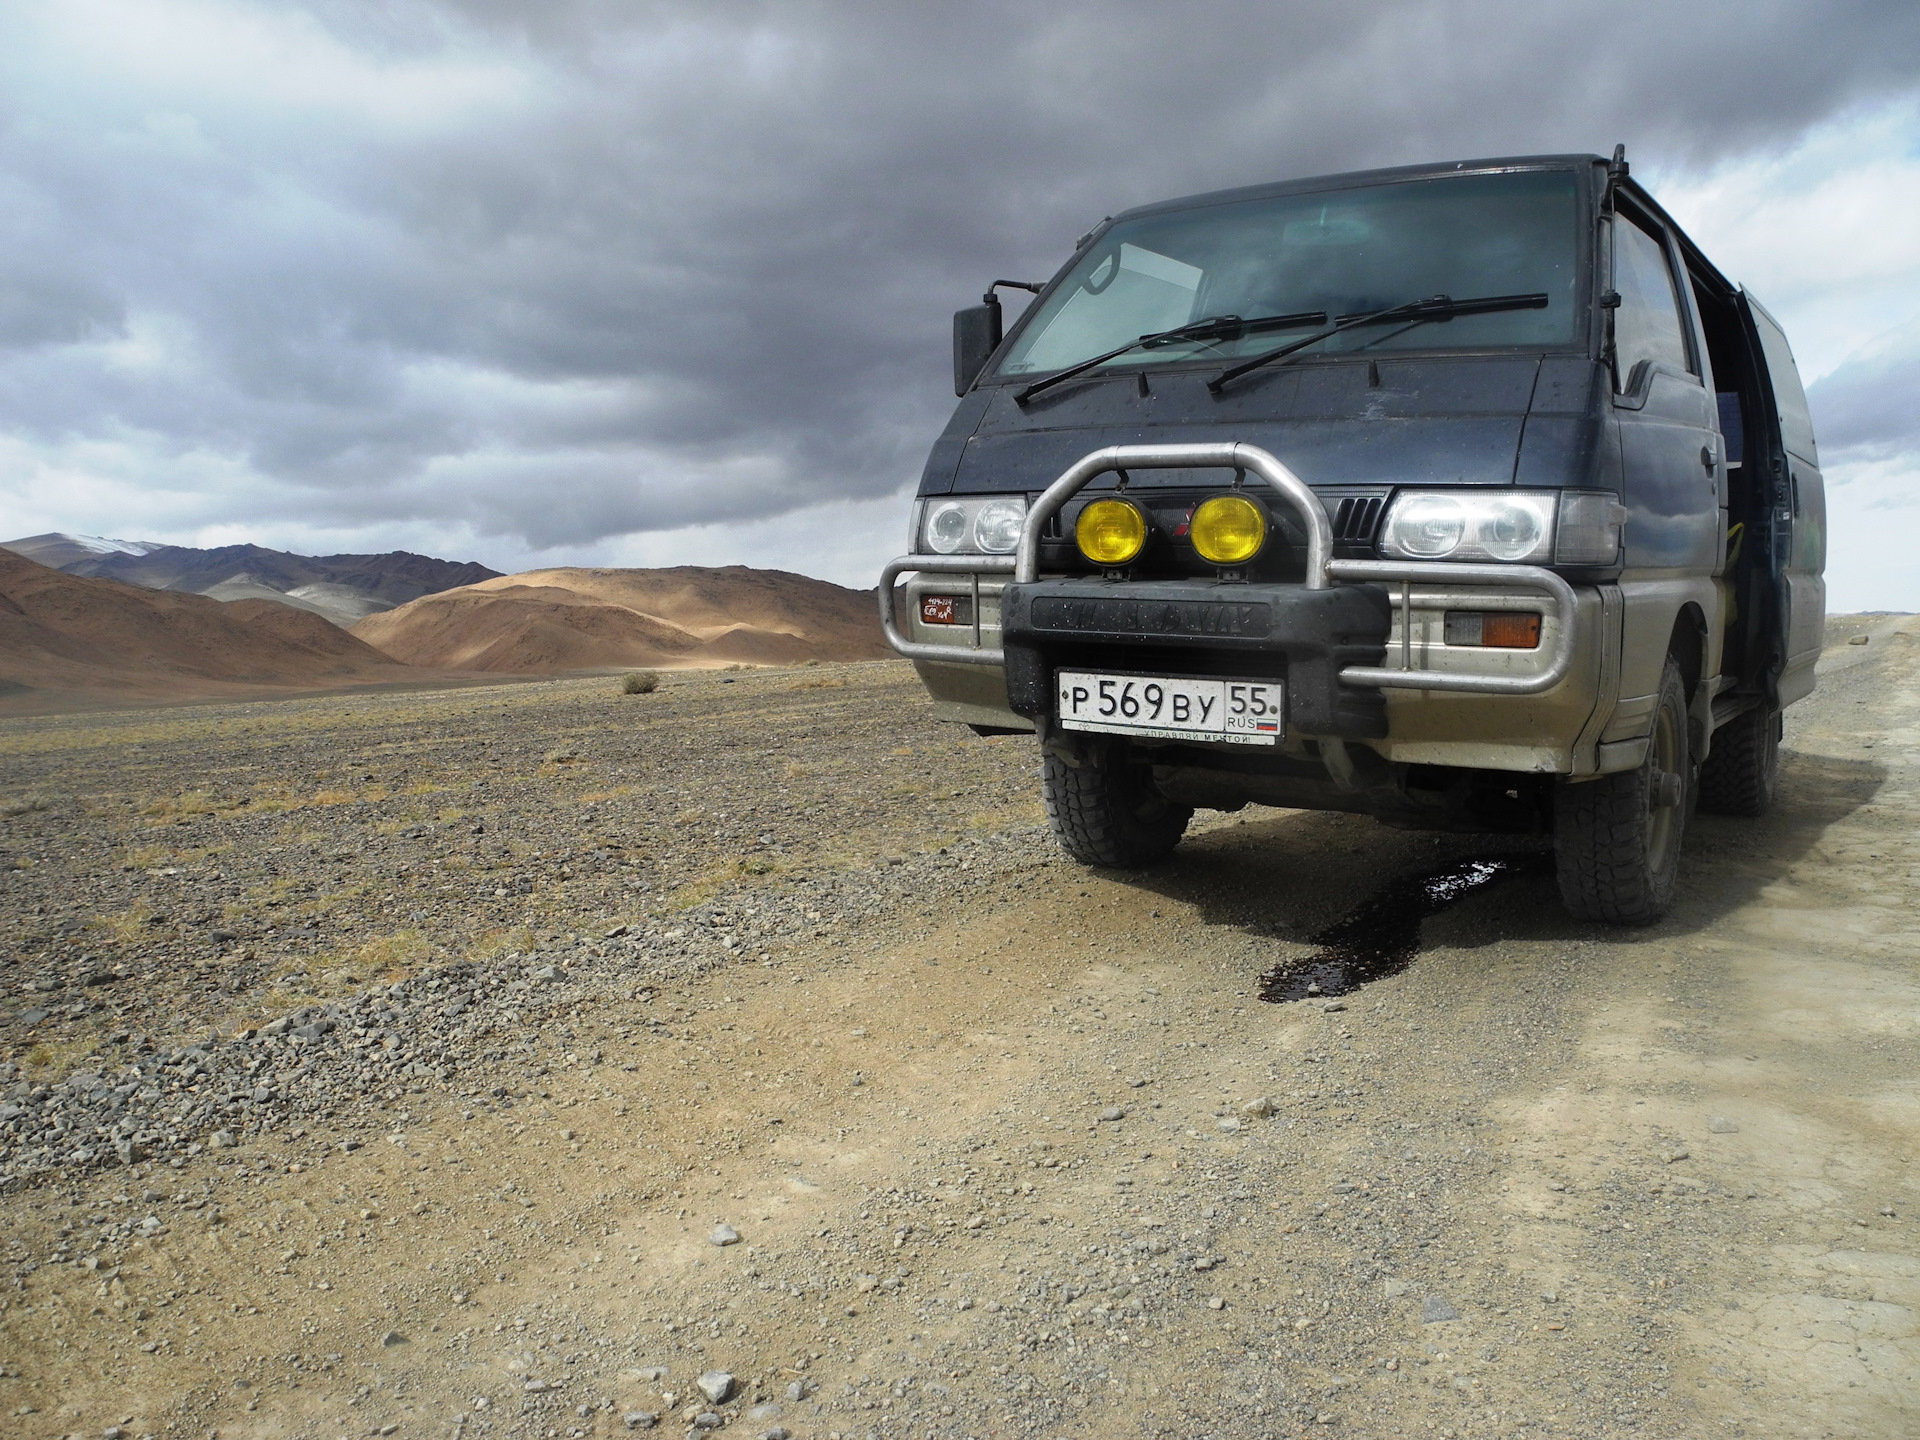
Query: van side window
1789 398
1647 324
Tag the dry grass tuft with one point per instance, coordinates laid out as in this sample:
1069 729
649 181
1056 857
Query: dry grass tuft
640 682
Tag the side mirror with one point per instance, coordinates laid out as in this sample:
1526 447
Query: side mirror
976 335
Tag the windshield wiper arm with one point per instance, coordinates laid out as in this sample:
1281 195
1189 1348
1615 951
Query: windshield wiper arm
1217 327
1438 307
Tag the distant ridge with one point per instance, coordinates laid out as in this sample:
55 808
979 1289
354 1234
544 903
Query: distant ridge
70 641
60 550
553 621
342 588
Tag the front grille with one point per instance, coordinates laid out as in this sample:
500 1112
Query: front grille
1355 518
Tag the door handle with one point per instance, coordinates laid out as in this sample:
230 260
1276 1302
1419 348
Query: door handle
1706 458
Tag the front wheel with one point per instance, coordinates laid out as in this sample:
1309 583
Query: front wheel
1103 805
1616 840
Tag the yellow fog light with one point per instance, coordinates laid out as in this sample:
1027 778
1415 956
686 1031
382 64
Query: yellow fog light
1111 532
1228 529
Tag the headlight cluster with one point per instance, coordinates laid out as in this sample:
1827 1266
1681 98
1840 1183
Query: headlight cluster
1511 526
987 526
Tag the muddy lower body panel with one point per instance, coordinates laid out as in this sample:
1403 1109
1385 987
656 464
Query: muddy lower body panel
1404 755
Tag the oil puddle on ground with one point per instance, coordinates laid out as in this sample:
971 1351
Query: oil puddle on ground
1381 936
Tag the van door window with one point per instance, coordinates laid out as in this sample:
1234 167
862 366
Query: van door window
1789 398
1646 327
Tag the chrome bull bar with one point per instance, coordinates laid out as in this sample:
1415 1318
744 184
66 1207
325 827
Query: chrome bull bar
1322 571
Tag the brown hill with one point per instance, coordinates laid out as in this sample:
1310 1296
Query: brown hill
547 621
70 640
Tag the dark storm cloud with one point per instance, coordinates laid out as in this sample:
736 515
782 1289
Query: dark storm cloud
1867 409
645 266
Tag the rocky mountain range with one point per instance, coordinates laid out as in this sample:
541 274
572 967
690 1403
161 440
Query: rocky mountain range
342 588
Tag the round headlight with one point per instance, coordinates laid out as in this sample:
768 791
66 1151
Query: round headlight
1511 532
996 529
1228 529
1111 532
1429 526
947 528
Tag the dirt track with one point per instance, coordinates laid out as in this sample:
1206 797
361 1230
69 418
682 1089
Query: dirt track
990 1127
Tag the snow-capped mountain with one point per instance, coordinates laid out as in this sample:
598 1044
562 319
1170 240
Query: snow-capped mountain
59 550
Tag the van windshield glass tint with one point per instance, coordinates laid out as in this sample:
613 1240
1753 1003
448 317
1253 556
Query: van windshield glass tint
1342 252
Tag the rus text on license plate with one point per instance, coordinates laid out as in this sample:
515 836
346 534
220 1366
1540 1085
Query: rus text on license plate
1238 712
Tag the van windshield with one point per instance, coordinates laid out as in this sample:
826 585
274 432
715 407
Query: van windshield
1342 252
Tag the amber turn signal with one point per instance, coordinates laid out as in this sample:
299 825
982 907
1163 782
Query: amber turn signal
1228 529
1111 532
1496 629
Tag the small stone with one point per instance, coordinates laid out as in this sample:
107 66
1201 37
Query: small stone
1394 1288
1721 1125
641 1419
1435 1309
349 1146
1675 1155
764 1412
392 1338
224 1140
708 1420
1113 1112
1858 639
796 1392
1258 1108
1214 1302
1229 1124
1313 987
724 1235
778 1432
1552 1297
716 1385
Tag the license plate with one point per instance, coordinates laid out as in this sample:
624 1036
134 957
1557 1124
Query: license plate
1236 712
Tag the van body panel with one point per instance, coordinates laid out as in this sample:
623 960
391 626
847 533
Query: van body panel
1653 609
1800 522
1672 498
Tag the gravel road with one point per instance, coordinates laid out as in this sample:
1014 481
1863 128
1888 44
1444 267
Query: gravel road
541 1061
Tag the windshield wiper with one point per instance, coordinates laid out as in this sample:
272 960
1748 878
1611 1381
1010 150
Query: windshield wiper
1415 312
1217 327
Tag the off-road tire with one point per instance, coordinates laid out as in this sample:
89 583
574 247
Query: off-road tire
1616 840
1105 809
1742 774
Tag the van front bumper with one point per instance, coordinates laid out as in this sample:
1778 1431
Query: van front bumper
1359 644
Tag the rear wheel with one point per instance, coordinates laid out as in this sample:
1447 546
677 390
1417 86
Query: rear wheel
1616 840
1103 805
1742 774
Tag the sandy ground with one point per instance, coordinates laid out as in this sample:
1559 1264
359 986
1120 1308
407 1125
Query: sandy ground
1013 1148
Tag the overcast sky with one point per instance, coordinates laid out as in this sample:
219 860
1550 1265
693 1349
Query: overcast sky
543 282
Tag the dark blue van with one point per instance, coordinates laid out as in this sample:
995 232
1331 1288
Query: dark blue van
1472 497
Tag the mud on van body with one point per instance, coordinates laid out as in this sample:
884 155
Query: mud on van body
1471 497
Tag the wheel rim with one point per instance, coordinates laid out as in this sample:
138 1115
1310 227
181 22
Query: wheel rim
1666 789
